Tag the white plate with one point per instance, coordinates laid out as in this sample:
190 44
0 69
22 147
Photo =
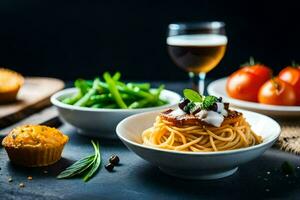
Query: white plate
196 165
101 122
217 88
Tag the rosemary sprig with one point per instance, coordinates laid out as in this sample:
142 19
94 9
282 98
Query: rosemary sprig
88 165
96 163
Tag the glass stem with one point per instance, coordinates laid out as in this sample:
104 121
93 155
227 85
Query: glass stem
201 85
198 81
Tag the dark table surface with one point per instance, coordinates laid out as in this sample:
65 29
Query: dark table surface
137 179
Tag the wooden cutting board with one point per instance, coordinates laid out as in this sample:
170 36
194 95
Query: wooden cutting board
33 96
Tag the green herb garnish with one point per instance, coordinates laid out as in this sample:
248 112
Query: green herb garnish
86 166
189 107
205 101
192 95
209 101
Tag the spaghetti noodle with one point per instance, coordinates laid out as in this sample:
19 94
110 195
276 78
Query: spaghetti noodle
200 138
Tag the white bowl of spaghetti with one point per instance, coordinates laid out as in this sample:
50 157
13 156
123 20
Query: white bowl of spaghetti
149 135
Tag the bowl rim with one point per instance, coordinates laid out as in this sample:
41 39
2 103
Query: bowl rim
272 139
54 100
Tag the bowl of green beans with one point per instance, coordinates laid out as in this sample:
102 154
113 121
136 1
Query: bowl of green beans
95 107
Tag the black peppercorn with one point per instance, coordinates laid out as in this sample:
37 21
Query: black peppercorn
109 167
114 159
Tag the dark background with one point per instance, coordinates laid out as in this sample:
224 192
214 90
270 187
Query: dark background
71 39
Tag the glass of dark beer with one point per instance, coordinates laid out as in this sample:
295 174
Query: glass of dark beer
197 48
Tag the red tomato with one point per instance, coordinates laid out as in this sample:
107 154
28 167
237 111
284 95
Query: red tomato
277 92
264 72
291 75
245 83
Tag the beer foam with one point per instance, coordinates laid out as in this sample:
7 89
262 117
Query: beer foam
197 40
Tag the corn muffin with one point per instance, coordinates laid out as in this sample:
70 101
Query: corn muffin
34 145
10 83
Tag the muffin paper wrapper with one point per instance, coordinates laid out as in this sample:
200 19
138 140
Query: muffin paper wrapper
35 156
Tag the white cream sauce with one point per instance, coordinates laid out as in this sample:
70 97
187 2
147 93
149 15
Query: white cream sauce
202 114
177 112
208 116
221 109
213 118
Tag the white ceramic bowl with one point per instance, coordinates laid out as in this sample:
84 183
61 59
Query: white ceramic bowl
100 122
217 88
196 165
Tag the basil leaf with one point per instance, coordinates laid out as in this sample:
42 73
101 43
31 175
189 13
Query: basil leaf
208 102
189 107
192 95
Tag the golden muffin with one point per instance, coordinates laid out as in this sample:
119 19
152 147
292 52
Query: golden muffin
34 145
10 83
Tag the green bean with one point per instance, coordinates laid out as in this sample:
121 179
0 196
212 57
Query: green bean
158 91
142 86
101 97
113 90
98 105
161 102
112 93
110 106
89 83
109 97
127 97
136 92
150 101
139 104
73 99
82 85
84 100
118 83
116 76
102 88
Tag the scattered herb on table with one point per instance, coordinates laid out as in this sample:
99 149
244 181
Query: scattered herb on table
110 92
85 167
